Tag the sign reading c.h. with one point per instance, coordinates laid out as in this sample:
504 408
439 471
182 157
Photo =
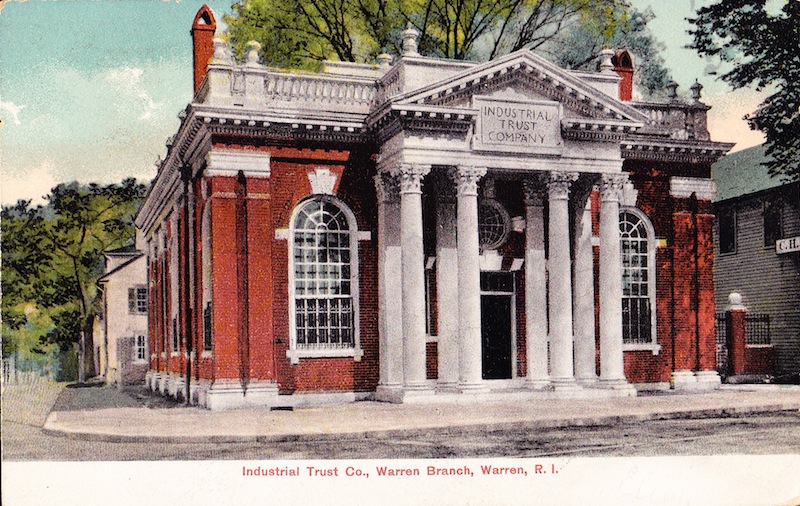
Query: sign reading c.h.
787 245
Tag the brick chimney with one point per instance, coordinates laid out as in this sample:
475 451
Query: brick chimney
203 29
623 66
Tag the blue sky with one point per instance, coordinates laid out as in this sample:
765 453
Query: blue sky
90 89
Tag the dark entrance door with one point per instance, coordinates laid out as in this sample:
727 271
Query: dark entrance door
496 336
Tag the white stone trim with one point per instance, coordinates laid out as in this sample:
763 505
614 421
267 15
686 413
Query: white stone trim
683 187
708 380
654 348
491 260
229 394
228 162
364 235
303 400
322 181
294 355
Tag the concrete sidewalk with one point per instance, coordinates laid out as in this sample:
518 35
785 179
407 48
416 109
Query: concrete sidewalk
375 419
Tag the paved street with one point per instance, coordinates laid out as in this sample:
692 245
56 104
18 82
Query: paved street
25 408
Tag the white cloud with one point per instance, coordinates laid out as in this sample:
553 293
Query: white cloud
128 80
33 185
12 109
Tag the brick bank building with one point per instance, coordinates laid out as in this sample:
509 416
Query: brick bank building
428 229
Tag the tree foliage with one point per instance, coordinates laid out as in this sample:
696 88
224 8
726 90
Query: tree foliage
53 255
579 47
759 47
300 34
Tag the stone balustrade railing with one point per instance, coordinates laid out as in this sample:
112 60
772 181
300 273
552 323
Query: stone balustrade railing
675 120
246 85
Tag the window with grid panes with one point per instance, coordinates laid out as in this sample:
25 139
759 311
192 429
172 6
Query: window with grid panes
323 258
137 300
637 280
140 349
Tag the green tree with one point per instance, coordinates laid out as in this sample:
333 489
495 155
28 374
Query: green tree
53 256
24 260
300 34
760 47
578 48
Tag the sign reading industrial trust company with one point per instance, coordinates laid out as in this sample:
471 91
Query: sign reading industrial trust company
518 126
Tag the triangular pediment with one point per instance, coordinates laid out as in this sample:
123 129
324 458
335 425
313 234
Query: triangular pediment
523 76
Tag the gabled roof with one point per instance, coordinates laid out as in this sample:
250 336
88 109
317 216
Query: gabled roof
540 75
118 268
742 173
128 249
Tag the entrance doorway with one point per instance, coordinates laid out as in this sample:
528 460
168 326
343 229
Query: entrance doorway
497 324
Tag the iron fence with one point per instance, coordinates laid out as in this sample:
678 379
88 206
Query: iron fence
721 334
757 329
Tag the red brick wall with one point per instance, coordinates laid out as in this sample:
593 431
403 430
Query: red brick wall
759 360
225 277
684 275
432 361
706 310
245 217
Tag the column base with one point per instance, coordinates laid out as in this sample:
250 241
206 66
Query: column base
150 380
230 394
589 381
564 384
199 391
403 394
177 388
683 380
708 380
618 385
389 393
537 383
447 386
473 388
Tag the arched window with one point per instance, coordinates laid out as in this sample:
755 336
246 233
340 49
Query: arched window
638 279
324 279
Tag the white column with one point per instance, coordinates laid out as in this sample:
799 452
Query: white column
390 317
535 286
583 290
612 372
560 282
413 286
447 283
469 281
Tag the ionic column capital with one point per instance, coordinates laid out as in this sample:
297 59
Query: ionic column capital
410 177
611 187
466 179
387 187
558 184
